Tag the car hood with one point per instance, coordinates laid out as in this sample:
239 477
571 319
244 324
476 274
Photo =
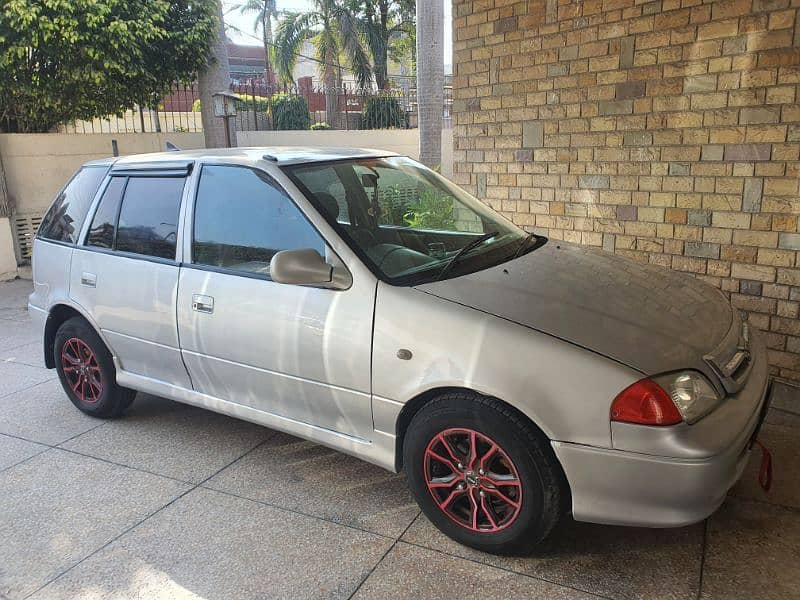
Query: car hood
644 316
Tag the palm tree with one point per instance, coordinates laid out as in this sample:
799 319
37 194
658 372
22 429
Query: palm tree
334 30
430 79
380 21
265 11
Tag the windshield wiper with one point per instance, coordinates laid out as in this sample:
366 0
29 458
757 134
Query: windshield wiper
522 245
540 241
471 245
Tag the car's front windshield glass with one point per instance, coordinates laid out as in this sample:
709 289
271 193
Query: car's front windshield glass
409 224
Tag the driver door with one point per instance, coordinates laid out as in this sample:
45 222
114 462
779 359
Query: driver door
298 352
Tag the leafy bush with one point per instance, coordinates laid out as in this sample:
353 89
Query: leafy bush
383 112
320 126
433 210
290 112
244 102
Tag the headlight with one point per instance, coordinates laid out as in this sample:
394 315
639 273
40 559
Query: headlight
692 394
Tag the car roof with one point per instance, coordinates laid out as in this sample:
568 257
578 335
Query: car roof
281 155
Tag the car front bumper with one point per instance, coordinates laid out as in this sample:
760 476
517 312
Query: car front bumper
624 487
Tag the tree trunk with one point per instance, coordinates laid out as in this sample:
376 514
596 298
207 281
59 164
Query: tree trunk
382 66
329 82
5 201
430 80
266 27
215 78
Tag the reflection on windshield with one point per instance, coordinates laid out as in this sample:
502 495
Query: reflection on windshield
409 224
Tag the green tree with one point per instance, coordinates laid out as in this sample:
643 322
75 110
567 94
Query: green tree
265 12
385 24
335 31
62 60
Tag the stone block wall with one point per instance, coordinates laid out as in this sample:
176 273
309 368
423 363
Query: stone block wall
665 131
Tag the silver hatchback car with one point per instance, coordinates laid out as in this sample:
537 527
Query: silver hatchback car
358 299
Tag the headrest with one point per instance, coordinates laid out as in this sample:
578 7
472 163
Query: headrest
328 203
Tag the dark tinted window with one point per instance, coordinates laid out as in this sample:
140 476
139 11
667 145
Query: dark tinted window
64 219
242 219
101 232
148 221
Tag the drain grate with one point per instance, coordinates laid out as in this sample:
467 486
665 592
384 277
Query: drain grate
25 227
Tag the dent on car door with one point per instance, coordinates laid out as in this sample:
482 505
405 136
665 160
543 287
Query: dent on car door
125 275
299 352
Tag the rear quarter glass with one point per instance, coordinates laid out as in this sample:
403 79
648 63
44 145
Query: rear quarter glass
64 220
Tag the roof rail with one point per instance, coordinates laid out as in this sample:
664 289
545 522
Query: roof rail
270 158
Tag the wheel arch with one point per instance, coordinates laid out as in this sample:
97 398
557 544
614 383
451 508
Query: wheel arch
59 314
415 404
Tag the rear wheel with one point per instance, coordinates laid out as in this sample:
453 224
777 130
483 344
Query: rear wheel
483 474
86 371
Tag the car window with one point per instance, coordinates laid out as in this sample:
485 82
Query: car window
64 219
410 225
329 192
242 219
148 220
101 231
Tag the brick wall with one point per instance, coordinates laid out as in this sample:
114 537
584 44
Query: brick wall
668 132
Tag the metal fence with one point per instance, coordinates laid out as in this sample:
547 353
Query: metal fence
174 112
267 107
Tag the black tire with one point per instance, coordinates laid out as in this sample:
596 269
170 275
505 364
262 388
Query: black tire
91 384
542 491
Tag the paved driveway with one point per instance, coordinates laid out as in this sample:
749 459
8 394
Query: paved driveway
173 501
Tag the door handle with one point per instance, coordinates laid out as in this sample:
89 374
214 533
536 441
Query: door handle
203 304
88 279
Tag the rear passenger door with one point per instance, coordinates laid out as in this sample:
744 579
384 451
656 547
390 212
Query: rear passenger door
125 273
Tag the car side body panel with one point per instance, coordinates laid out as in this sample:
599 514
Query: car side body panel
565 390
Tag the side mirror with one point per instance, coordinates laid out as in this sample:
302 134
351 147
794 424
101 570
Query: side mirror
303 266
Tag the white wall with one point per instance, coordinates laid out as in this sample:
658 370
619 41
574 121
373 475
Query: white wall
38 164
8 260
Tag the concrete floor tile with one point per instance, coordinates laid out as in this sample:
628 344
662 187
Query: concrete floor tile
16 332
43 413
212 545
27 354
14 450
14 294
59 507
299 475
171 439
620 562
784 445
15 377
752 551
412 572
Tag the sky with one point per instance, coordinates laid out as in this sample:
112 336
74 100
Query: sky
249 37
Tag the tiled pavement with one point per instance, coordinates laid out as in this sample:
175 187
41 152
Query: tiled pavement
176 502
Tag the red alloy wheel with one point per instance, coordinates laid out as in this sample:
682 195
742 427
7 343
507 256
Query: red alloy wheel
472 480
81 370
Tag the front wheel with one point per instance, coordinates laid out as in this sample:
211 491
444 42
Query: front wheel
86 371
483 474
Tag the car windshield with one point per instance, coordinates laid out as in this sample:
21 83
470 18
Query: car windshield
409 224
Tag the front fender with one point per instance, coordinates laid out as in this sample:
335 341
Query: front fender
564 389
